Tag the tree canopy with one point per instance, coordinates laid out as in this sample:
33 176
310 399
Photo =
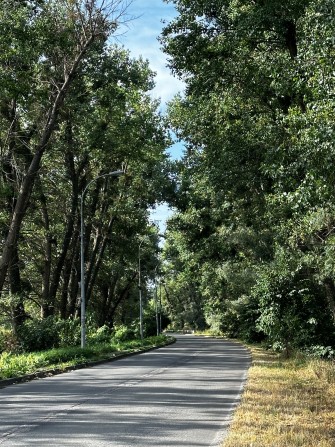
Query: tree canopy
253 231
249 250
73 108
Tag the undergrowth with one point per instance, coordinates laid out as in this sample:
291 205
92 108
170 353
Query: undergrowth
15 365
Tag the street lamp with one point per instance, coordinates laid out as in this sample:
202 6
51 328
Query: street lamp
140 288
156 300
82 261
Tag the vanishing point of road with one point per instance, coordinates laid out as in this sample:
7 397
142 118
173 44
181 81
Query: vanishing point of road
180 395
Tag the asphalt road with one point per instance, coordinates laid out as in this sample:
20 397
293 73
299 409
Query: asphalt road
180 395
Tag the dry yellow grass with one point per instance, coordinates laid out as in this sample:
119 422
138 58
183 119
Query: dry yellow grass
286 403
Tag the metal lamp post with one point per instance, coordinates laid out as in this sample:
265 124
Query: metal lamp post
82 261
140 288
156 300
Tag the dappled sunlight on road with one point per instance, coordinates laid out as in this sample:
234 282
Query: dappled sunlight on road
179 395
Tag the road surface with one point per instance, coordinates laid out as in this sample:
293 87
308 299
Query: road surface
179 395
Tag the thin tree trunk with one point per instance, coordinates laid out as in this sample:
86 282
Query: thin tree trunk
107 293
47 307
69 232
330 295
63 303
18 312
95 266
122 296
73 298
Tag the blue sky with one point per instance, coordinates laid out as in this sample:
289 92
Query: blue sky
140 37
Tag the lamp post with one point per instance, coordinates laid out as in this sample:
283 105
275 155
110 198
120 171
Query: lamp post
82 261
160 306
156 300
140 288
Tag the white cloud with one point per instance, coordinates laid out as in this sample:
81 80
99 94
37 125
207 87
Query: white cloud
141 38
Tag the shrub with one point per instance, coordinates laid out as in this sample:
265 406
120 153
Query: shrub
8 341
38 335
123 333
69 332
100 335
321 352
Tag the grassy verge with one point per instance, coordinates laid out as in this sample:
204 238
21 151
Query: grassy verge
17 365
286 403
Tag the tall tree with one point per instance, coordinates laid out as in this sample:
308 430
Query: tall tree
43 45
256 121
108 121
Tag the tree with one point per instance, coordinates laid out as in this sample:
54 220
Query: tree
58 37
256 121
104 119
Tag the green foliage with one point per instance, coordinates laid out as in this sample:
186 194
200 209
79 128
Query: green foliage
8 341
68 331
16 365
321 352
292 307
237 319
37 335
250 247
104 119
51 332
98 336
123 333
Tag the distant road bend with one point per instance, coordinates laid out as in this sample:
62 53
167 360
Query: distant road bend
180 395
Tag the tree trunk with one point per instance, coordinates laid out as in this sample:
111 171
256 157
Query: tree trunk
73 298
18 312
47 307
69 232
115 304
97 260
330 295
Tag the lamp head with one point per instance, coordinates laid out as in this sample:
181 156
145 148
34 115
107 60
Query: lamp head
116 173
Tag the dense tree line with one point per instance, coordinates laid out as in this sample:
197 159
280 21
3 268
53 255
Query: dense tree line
74 107
250 249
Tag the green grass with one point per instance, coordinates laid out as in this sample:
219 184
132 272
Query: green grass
16 365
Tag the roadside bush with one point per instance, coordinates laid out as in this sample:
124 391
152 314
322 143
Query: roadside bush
69 332
321 352
293 308
38 335
8 341
123 333
51 332
101 335
14 365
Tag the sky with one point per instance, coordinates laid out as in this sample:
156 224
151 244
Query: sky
140 36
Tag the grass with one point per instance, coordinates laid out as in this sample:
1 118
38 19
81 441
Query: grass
286 403
17 365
